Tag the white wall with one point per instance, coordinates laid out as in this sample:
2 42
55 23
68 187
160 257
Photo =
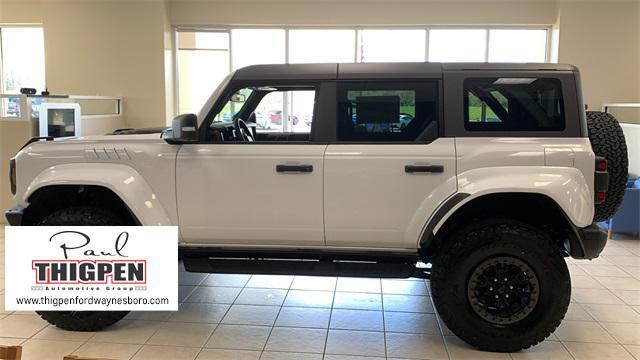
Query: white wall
102 48
113 47
123 48
632 135
602 40
354 12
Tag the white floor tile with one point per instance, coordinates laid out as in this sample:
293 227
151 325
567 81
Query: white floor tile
546 350
233 316
36 349
155 352
583 331
241 337
597 351
297 340
349 342
107 350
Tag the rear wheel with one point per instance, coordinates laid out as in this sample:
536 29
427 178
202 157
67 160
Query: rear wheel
500 285
82 320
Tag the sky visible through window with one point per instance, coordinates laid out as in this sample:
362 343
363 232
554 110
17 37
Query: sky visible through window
22 59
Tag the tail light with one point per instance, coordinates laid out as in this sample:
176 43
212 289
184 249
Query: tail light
12 175
602 164
601 183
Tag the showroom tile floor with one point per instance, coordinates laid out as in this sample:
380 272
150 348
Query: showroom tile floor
295 317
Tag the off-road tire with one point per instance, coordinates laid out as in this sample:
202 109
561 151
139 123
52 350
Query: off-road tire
82 320
81 216
487 239
607 141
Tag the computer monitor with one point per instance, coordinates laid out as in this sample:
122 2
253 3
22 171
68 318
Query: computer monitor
60 120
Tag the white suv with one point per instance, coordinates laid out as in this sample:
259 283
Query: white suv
491 173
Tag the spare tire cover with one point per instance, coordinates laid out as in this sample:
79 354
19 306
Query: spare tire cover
607 141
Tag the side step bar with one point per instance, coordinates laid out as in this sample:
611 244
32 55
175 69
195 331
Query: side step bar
305 267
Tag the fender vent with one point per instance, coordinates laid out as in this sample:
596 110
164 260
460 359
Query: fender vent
110 154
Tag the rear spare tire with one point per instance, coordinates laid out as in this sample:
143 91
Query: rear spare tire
607 141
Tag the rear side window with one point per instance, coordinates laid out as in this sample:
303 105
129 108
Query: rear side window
385 111
513 104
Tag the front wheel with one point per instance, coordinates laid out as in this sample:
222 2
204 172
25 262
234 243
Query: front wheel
501 285
82 320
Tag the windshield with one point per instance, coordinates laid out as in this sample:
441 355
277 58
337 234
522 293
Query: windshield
214 96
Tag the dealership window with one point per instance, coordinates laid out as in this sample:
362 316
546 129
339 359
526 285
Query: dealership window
513 104
22 59
517 45
391 45
204 57
257 46
203 61
321 46
457 45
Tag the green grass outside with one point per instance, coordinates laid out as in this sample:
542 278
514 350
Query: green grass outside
411 110
475 113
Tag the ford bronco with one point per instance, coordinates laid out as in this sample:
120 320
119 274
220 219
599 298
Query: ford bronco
491 173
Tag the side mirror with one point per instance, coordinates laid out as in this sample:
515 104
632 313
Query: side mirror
184 128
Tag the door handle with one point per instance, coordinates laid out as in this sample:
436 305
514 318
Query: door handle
294 168
423 169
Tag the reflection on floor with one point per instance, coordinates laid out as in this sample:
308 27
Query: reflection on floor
287 317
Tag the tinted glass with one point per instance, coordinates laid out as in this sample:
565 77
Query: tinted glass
385 111
513 104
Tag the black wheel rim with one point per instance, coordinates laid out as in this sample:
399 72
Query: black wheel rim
503 290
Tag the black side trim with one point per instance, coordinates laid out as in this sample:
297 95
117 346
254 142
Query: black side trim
14 215
12 175
591 241
312 254
301 267
427 235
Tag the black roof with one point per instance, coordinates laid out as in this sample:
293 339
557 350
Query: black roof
380 70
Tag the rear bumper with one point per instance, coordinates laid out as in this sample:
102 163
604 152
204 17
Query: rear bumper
14 215
591 241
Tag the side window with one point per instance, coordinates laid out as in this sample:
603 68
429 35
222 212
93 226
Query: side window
286 111
271 109
513 104
385 111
